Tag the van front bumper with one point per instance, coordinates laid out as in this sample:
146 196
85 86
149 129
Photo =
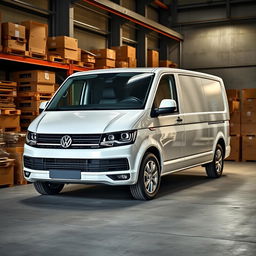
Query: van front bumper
105 177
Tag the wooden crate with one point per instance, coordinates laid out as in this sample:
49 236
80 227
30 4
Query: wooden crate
7 174
16 153
10 123
235 143
35 87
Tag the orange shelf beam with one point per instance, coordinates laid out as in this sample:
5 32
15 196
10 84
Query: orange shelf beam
69 67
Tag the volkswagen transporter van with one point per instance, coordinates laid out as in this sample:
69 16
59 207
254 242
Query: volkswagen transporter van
128 127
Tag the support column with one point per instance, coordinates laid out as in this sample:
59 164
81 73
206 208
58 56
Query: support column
61 21
142 45
115 28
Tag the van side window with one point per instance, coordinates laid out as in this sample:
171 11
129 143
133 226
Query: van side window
166 90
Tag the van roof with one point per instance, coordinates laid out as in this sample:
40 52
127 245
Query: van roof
158 70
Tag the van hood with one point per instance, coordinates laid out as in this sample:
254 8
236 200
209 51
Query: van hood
89 122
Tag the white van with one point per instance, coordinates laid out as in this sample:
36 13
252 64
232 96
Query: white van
128 127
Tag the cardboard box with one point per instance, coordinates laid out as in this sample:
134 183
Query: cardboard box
36 35
37 76
165 63
248 94
248 117
233 94
10 122
104 54
125 51
235 143
234 105
35 87
105 62
248 129
153 58
248 148
249 105
88 59
235 128
66 53
122 64
132 63
7 174
15 45
63 42
13 30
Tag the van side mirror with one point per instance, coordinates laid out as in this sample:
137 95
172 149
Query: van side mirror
167 106
42 106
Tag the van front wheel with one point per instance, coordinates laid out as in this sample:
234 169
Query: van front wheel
48 188
149 179
215 168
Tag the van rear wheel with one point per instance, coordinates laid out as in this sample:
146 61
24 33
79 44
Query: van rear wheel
149 179
215 168
48 188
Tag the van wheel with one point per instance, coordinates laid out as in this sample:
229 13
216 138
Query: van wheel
215 168
48 188
149 179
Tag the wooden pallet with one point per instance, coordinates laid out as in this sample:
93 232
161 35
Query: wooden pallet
7 174
56 58
8 92
34 96
15 52
8 84
37 55
88 65
32 112
5 162
36 88
10 112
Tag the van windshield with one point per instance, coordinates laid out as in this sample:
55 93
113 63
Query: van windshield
126 90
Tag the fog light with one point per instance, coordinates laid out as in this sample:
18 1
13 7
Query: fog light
122 176
119 177
27 174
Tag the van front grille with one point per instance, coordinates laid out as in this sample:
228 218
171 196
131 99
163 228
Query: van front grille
84 165
78 140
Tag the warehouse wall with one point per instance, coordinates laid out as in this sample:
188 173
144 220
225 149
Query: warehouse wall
226 50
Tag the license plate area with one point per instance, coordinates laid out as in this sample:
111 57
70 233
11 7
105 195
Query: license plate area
65 174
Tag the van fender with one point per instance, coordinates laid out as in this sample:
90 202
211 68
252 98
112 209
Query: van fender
219 136
145 145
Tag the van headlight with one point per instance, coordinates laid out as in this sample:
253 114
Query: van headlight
31 138
118 138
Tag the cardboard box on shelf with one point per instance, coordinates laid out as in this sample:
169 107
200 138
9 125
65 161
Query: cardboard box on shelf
37 76
124 51
248 94
66 53
153 58
248 148
104 54
234 105
105 62
10 29
248 129
10 123
36 35
122 64
249 105
233 94
35 87
15 45
248 117
235 143
63 42
132 63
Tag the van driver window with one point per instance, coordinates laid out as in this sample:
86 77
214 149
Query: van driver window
166 90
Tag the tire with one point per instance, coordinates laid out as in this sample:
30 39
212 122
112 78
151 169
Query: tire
149 179
215 168
48 188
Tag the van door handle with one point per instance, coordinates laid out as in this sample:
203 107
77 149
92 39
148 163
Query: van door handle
179 120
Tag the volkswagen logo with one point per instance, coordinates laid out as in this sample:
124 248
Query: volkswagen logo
66 141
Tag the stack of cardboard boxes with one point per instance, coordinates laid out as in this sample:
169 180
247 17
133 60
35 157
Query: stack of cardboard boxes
153 58
64 47
88 59
34 87
125 56
248 124
167 64
105 58
36 35
14 38
9 115
233 96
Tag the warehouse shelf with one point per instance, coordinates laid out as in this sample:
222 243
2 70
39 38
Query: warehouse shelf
70 68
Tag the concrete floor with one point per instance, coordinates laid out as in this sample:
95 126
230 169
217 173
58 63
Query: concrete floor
192 215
